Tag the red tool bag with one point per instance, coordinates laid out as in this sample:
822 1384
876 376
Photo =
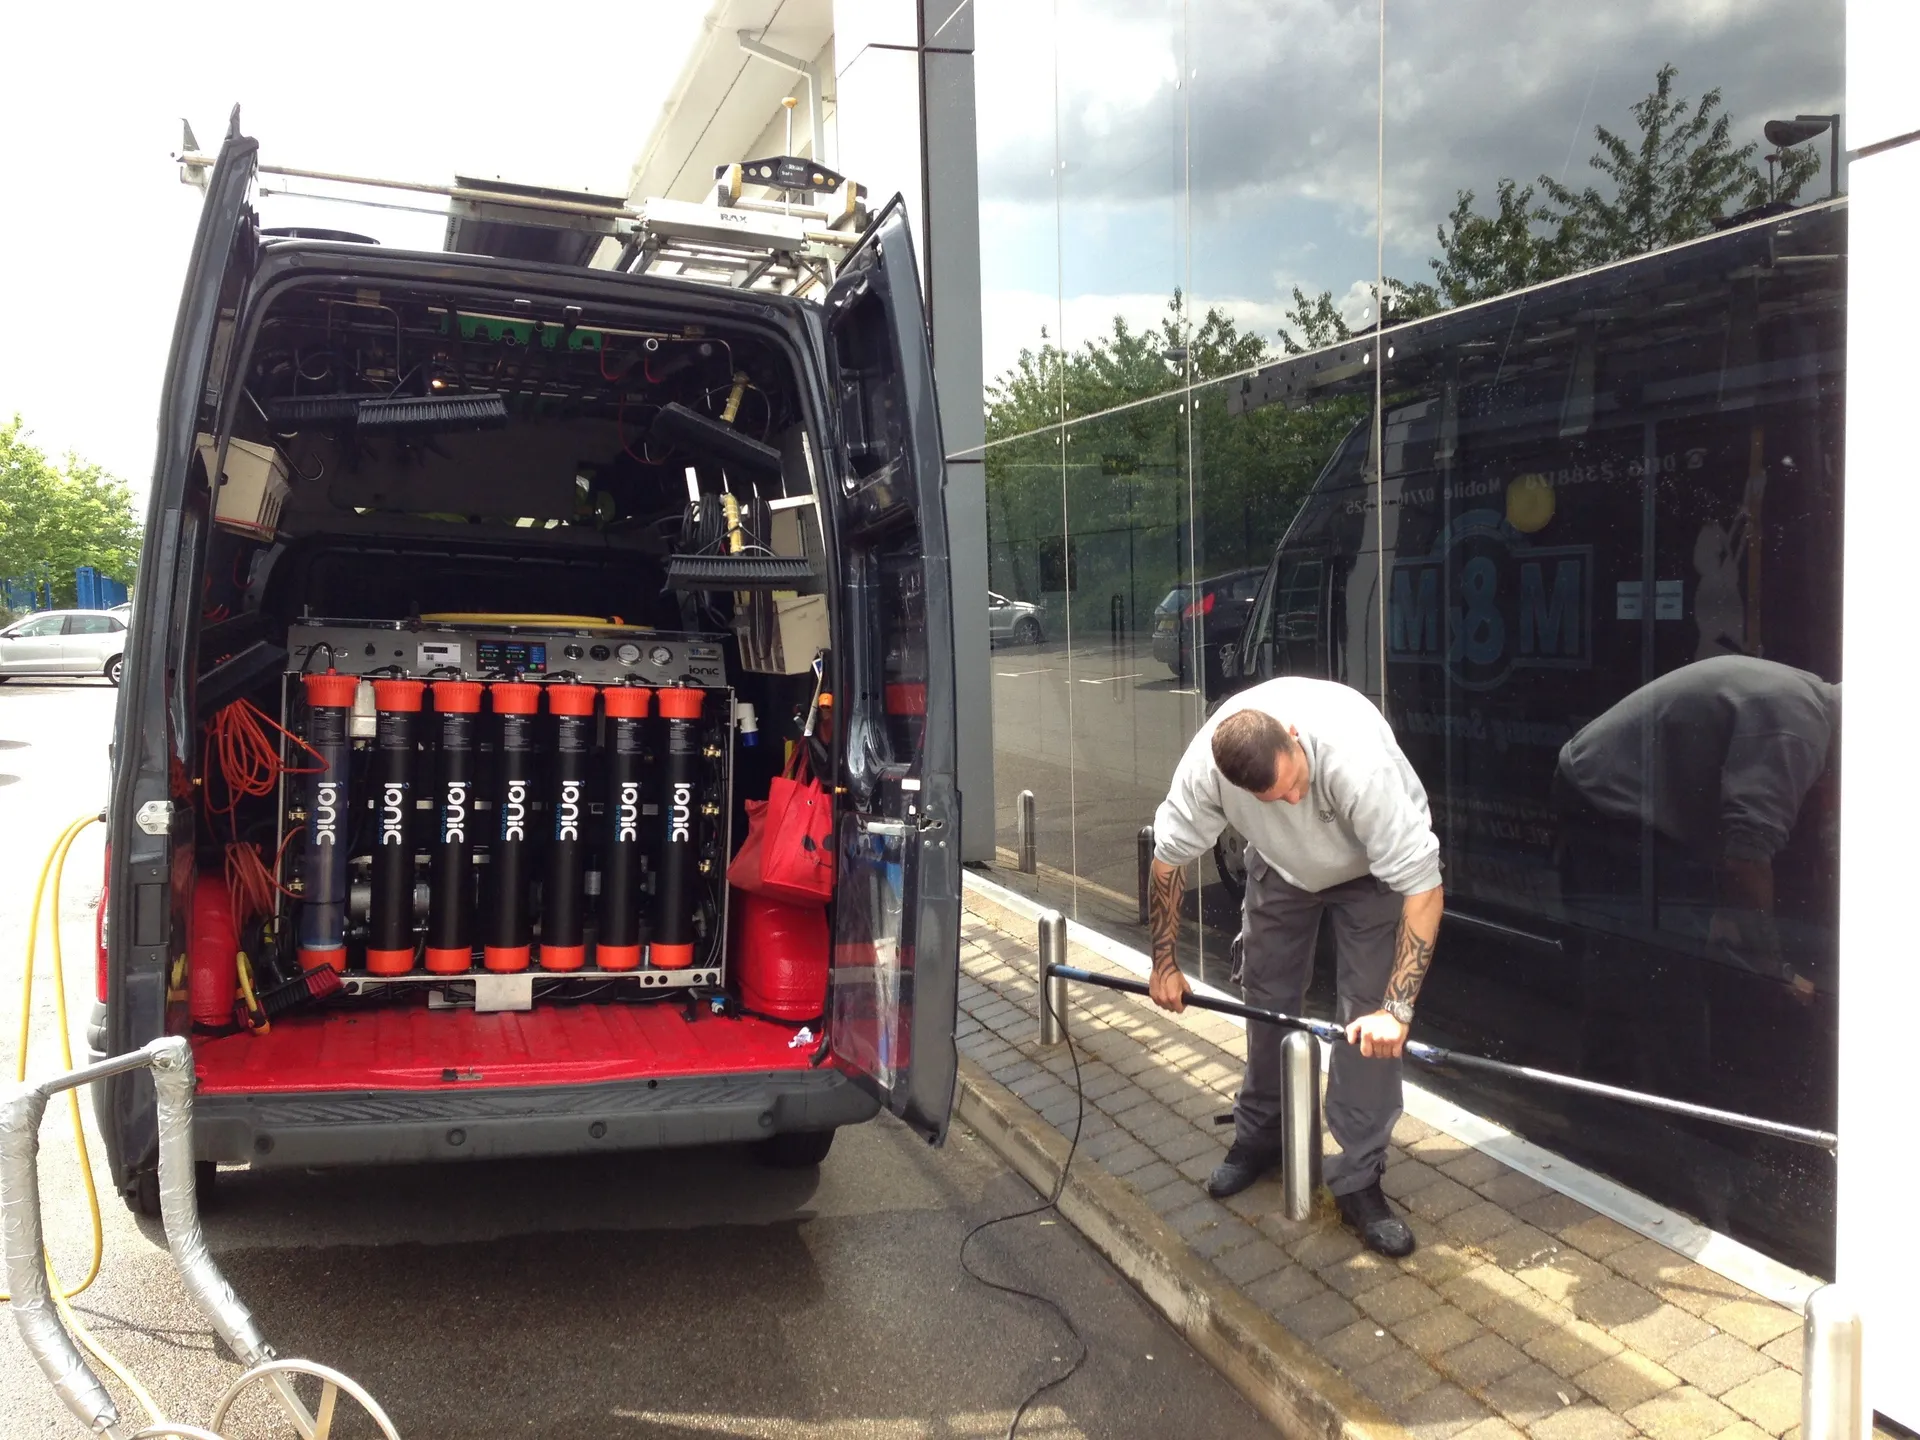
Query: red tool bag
788 853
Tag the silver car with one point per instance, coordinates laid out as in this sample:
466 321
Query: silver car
64 642
1014 622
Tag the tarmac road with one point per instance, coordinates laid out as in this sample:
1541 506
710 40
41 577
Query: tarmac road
683 1294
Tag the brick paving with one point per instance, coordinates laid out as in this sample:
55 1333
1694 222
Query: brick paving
1522 1312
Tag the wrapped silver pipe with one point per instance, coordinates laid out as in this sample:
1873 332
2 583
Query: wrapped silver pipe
172 1061
25 1245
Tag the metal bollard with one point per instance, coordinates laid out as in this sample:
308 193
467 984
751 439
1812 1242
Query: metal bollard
1300 1109
1029 841
1832 1406
1053 988
1143 863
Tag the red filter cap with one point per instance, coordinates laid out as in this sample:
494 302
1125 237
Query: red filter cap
682 702
564 699
331 691
562 957
506 958
389 962
617 957
628 702
335 958
515 697
457 697
670 957
401 695
449 962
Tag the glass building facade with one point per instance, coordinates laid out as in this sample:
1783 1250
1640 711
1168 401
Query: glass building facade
1486 356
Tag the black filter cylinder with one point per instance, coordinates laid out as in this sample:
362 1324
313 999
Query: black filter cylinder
456 705
620 928
506 942
672 946
562 898
323 915
396 704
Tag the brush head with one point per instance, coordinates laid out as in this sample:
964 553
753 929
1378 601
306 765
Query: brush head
407 414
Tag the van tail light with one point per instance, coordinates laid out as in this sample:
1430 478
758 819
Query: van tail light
1203 606
100 933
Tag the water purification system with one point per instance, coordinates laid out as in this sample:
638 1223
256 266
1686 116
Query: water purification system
456 704
323 910
536 804
390 906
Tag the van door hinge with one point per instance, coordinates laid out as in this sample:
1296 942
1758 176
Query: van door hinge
155 817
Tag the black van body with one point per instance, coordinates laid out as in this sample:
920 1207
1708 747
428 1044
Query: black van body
856 381
1584 486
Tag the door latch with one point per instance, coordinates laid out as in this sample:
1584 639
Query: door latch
155 817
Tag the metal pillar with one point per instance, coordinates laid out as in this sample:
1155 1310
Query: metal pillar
1029 840
1143 864
1832 1406
1300 1109
1053 988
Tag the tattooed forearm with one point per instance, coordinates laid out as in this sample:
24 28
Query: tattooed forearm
1413 949
1164 890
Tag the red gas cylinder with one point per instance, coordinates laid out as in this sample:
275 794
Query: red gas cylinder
213 948
780 957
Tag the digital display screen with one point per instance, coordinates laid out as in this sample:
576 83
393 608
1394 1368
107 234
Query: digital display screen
523 656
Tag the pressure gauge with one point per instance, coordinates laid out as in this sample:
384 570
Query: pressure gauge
660 655
627 654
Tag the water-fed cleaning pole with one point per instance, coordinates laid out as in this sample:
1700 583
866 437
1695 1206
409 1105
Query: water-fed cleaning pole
620 929
562 898
396 704
672 947
323 915
1436 1056
456 703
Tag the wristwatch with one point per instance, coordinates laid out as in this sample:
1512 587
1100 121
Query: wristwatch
1399 1010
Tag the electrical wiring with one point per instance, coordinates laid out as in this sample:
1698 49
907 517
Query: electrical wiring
1052 1202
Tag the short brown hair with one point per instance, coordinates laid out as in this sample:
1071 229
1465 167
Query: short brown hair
1247 746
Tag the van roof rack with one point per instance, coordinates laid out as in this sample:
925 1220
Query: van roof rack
789 239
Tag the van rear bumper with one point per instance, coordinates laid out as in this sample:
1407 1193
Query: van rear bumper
383 1127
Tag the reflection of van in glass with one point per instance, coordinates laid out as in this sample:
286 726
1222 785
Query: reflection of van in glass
545 525
1585 486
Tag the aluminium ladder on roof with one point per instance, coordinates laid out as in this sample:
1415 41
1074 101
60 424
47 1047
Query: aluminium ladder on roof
788 241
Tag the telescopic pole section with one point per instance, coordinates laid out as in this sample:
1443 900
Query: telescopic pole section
1436 1056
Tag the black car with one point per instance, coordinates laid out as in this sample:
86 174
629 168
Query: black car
1218 608
429 515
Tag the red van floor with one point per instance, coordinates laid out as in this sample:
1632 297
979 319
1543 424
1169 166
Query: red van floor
412 1048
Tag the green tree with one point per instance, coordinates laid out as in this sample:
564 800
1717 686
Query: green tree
54 519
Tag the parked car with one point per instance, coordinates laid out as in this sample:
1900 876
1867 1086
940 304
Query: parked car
1221 605
1013 622
64 642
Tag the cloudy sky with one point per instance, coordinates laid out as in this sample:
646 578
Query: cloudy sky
100 225
1232 146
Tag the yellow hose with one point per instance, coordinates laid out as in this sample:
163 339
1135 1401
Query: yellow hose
54 869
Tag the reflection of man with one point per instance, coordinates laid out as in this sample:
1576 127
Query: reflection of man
1335 820
1717 757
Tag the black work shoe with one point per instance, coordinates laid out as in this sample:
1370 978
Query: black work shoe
1367 1213
1239 1170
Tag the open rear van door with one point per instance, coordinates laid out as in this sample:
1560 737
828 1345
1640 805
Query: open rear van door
896 935
150 822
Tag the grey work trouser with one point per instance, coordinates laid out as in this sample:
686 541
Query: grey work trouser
1279 924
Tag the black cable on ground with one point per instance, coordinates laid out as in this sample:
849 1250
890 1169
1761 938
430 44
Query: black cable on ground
1052 1202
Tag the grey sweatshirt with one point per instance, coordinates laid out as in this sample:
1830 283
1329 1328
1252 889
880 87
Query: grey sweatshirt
1366 810
1717 755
